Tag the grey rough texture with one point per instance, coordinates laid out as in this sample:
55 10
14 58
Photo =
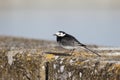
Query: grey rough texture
29 59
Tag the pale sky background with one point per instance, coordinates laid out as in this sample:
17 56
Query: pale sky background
90 21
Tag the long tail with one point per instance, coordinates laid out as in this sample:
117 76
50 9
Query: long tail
92 51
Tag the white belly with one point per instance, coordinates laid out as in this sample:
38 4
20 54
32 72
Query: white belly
69 47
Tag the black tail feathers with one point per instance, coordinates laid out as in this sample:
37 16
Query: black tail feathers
91 50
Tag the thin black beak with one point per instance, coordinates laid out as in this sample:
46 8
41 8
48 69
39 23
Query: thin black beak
54 34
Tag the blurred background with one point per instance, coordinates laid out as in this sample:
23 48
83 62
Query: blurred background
90 21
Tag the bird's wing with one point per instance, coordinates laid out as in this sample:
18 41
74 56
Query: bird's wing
76 42
71 41
79 44
67 41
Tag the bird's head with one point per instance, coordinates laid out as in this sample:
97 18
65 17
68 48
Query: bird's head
60 34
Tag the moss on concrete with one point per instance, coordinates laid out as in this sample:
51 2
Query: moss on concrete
29 59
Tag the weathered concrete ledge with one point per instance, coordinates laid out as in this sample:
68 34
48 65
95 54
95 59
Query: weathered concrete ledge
28 59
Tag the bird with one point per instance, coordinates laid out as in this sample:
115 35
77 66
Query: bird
69 42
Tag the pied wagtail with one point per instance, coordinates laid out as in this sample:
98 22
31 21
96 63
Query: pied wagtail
68 41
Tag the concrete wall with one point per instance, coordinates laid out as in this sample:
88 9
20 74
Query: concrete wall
50 63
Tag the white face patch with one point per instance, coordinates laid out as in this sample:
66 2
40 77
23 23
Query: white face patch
60 34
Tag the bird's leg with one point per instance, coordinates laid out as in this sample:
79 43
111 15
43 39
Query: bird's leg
71 51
